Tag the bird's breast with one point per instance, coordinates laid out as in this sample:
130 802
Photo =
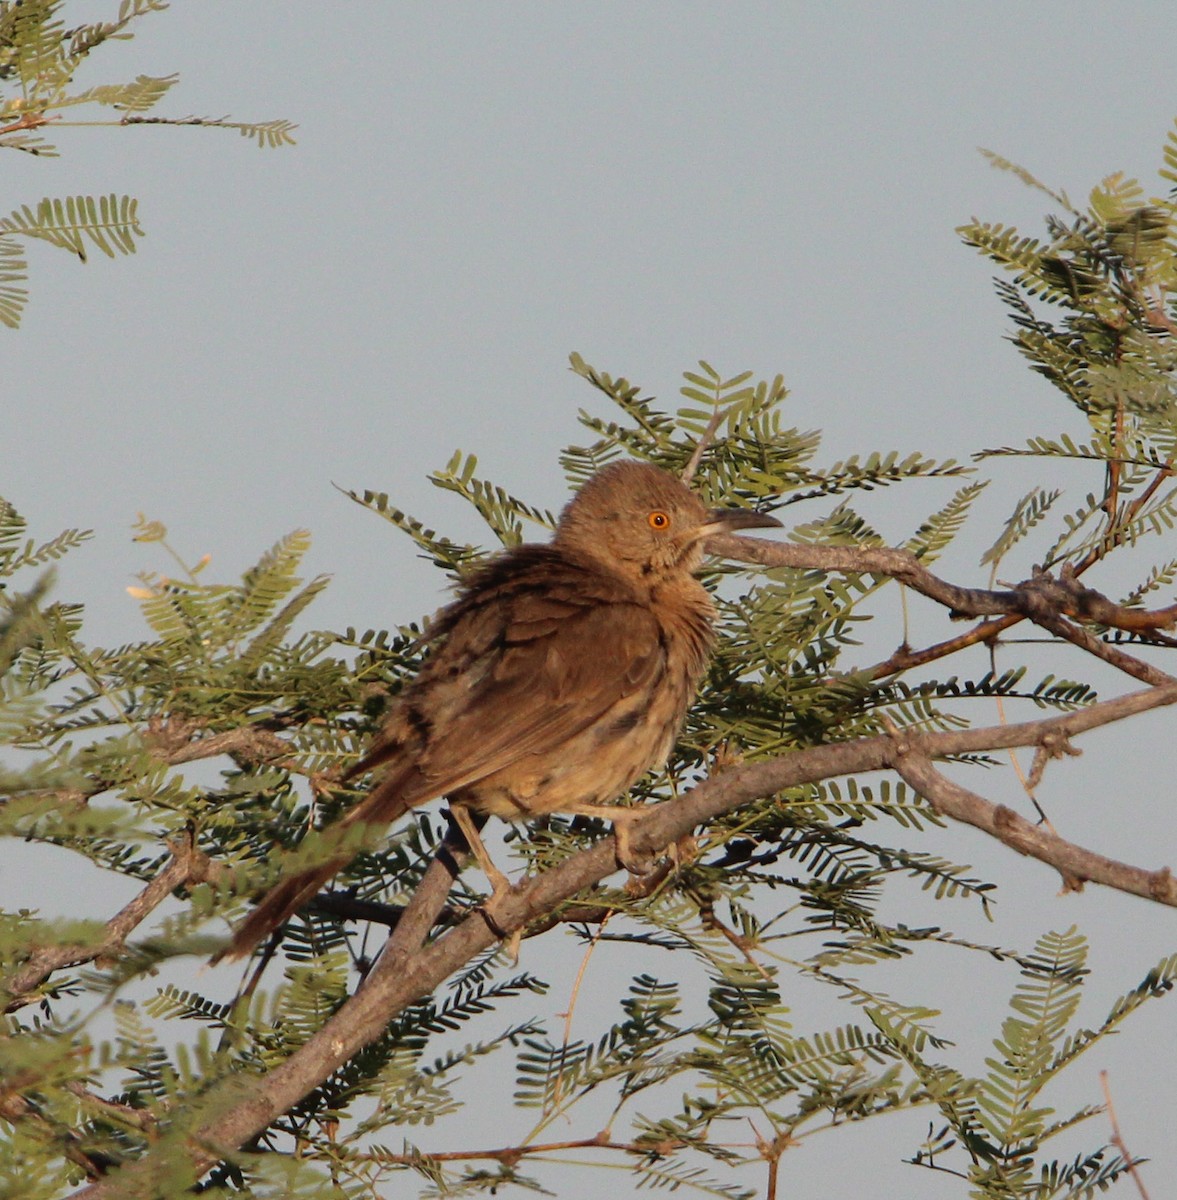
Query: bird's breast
633 735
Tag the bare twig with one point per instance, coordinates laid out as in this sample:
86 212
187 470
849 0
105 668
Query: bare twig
571 1009
688 472
187 865
711 921
510 1155
1118 1138
905 658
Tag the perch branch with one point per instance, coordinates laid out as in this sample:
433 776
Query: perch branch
240 1107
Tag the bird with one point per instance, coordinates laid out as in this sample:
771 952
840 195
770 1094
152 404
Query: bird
559 675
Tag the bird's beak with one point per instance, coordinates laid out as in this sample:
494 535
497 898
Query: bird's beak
729 520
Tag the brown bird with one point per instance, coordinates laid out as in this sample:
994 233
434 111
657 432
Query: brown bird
559 675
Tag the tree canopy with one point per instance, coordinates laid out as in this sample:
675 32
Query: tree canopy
804 798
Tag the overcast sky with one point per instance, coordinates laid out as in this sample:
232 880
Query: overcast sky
480 189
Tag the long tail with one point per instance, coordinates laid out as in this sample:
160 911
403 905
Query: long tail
389 799
279 903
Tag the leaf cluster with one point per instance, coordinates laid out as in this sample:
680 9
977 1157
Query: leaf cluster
39 58
1094 308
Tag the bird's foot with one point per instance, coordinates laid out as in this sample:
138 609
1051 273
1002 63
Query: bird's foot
679 854
636 862
727 755
491 909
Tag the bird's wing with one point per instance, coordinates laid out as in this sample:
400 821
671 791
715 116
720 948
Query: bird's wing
519 679
516 677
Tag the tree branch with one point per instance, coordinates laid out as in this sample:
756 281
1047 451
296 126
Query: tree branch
1043 598
1076 865
1063 595
176 741
238 1108
187 865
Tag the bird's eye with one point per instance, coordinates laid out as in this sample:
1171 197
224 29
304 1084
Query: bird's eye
658 520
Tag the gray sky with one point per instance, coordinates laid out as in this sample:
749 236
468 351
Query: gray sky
478 190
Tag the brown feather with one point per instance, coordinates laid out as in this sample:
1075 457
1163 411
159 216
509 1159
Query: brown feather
558 676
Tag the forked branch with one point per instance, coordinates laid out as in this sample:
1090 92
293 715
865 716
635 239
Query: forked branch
239 1108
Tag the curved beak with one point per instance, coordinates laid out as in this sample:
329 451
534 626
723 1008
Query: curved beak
729 520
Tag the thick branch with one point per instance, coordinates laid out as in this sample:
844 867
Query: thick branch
243 1106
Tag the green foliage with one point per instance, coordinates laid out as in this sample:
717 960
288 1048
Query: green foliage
111 223
226 659
119 1055
39 58
998 1124
1093 309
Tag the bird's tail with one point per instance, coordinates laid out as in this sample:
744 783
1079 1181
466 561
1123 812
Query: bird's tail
278 904
389 799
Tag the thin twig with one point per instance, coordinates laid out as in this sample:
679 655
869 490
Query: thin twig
738 942
1118 1138
571 1009
906 659
1027 786
187 865
688 472
510 1155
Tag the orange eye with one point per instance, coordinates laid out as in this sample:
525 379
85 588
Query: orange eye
658 520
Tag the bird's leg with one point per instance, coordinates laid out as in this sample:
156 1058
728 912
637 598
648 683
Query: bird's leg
499 883
623 819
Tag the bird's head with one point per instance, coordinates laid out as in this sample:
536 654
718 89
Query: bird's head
641 521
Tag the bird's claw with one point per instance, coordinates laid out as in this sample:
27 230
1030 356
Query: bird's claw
489 908
638 865
636 862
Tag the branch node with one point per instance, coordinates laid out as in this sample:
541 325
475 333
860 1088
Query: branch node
1160 885
1006 824
902 744
1054 744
